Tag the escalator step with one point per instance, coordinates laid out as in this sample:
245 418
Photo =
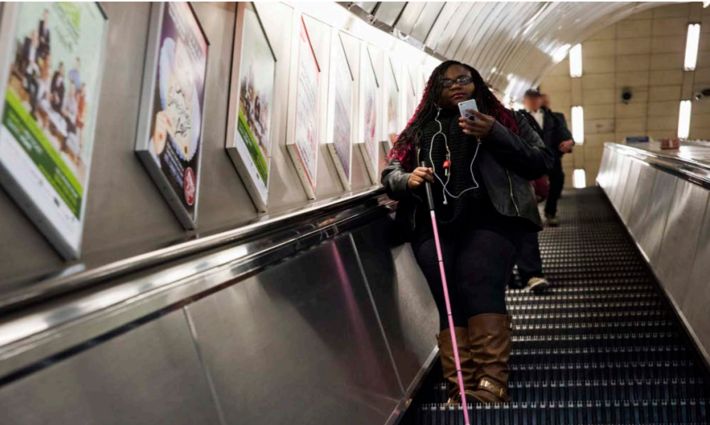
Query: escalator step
601 346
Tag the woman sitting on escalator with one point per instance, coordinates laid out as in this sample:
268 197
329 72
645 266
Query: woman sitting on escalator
480 169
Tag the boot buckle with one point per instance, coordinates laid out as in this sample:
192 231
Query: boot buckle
492 387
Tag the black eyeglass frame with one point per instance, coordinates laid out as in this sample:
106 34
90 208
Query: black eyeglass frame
461 81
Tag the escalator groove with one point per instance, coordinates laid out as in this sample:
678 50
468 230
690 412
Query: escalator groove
601 346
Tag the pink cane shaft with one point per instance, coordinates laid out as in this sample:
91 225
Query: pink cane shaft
457 360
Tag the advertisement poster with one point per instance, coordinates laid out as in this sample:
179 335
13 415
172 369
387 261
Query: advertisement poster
369 108
52 70
172 109
392 103
251 100
304 149
341 110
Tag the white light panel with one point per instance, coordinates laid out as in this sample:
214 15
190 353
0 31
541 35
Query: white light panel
691 47
684 119
578 124
579 178
575 61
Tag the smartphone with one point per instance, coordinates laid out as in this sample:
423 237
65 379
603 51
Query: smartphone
467 105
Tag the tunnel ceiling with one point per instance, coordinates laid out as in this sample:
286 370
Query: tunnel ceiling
511 44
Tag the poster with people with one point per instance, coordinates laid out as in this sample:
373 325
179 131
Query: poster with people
304 147
340 107
170 129
369 113
251 103
52 79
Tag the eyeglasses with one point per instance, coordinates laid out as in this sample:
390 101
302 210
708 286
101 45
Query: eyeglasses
461 81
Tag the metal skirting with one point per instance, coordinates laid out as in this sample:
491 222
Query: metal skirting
601 346
342 329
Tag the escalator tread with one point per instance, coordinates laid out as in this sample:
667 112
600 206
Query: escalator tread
601 346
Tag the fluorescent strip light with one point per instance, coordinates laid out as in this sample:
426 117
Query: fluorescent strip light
684 119
559 53
578 124
579 178
691 47
575 61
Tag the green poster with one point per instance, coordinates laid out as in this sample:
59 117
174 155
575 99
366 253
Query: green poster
49 111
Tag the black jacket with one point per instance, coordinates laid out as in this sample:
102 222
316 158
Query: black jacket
506 161
554 129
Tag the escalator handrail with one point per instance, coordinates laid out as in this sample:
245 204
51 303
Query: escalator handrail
61 283
30 336
685 168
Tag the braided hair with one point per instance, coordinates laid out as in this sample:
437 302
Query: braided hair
404 148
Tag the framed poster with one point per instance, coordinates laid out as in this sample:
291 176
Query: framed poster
303 145
169 139
251 100
51 68
369 113
340 107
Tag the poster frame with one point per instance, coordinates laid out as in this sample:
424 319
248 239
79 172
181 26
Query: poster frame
371 164
152 56
308 182
8 20
337 42
261 203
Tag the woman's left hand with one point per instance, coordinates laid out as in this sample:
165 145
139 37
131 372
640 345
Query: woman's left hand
479 126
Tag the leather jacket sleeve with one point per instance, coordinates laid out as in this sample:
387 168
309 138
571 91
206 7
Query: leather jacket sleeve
394 179
523 153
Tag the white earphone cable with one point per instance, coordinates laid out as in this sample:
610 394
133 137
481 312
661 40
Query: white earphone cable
445 190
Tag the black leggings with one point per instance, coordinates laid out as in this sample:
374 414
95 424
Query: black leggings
478 260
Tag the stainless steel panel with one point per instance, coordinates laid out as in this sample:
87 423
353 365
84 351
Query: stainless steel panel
623 165
426 20
613 175
694 303
402 297
410 16
150 375
638 206
630 183
674 260
655 220
389 11
604 168
298 344
441 30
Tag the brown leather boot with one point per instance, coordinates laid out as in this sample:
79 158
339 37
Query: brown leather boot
490 337
448 365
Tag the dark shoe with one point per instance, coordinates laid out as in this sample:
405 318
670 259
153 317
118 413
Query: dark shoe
490 337
448 365
552 221
537 284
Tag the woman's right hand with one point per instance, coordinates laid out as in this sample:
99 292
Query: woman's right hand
418 176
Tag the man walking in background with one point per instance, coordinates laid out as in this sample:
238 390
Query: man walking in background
556 175
552 129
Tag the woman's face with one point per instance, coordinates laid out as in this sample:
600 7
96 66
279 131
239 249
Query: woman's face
455 77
